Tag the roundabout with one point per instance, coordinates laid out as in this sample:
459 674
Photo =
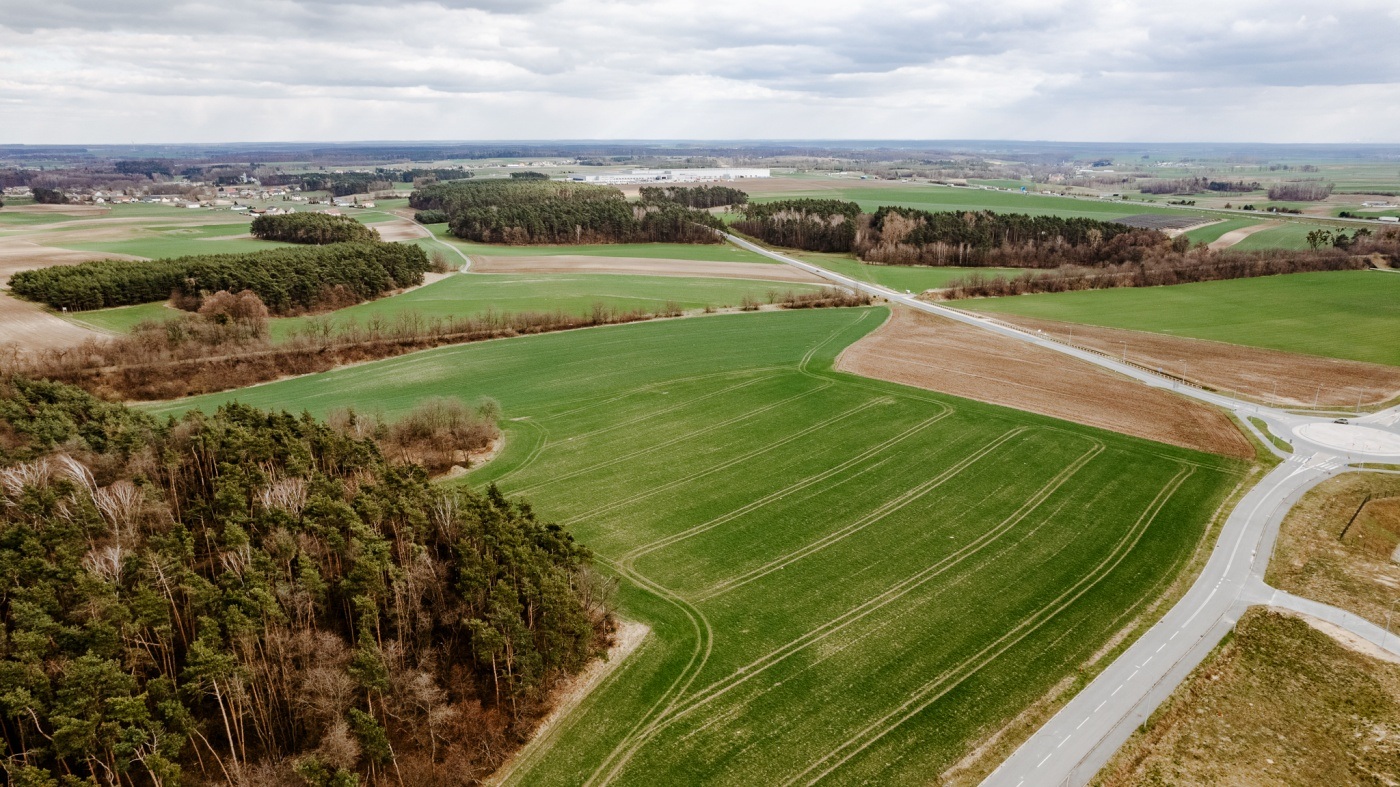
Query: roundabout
1351 438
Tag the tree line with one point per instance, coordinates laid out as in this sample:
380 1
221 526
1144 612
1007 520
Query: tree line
694 196
533 211
288 280
1199 264
1194 185
1301 191
253 597
811 224
314 228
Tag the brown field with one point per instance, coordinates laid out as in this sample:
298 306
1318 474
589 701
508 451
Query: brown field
1250 371
26 326
1355 571
1278 704
1235 236
942 355
403 229
570 263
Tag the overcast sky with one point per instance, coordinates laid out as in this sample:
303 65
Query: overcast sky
113 71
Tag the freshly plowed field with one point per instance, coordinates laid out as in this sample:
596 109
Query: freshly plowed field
943 355
846 579
640 265
1247 370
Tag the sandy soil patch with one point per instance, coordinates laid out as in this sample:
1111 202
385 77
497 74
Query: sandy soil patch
1235 236
403 229
942 355
1250 371
628 637
570 263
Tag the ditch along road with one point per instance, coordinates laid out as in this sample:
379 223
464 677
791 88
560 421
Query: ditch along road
1074 744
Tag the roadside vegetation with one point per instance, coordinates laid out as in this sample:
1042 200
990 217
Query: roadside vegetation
1278 703
1339 543
251 597
840 574
317 228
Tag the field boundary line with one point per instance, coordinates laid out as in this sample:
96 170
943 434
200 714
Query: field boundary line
889 596
677 439
921 698
804 364
630 557
880 512
726 464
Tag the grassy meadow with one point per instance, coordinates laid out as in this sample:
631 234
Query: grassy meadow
932 197
1337 314
915 278
464 295
707 252
842 577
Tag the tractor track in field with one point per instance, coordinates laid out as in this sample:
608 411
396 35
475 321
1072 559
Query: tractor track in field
684 403
925 695
765 448
884 510
678 710
609 399
673 441
630 557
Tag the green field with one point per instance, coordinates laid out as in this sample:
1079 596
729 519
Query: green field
841 576
915 278
158 242
469 294
1341 314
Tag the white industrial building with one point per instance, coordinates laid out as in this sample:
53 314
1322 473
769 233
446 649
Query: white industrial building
696 175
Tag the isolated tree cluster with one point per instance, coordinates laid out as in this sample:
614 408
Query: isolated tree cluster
250 597
288 280
1301 191
315 228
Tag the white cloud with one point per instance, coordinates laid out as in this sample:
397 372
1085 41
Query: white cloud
89 71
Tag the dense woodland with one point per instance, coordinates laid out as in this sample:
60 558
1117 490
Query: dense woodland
314 228
533 211
1195 185
288 280
258 598
810 224
45 196
694 196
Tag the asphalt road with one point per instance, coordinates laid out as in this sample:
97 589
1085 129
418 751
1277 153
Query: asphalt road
1071 747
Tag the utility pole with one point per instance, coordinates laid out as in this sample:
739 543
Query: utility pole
1316 395
1125 351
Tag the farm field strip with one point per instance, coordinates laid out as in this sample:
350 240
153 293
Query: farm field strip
1339 314
915 531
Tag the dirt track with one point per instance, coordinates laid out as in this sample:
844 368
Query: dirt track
570 263
1235 236
399 230
1250 371
941 355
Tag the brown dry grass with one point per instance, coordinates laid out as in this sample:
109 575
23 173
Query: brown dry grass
1250 371
571 263
1314 560
1278 704
942 355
